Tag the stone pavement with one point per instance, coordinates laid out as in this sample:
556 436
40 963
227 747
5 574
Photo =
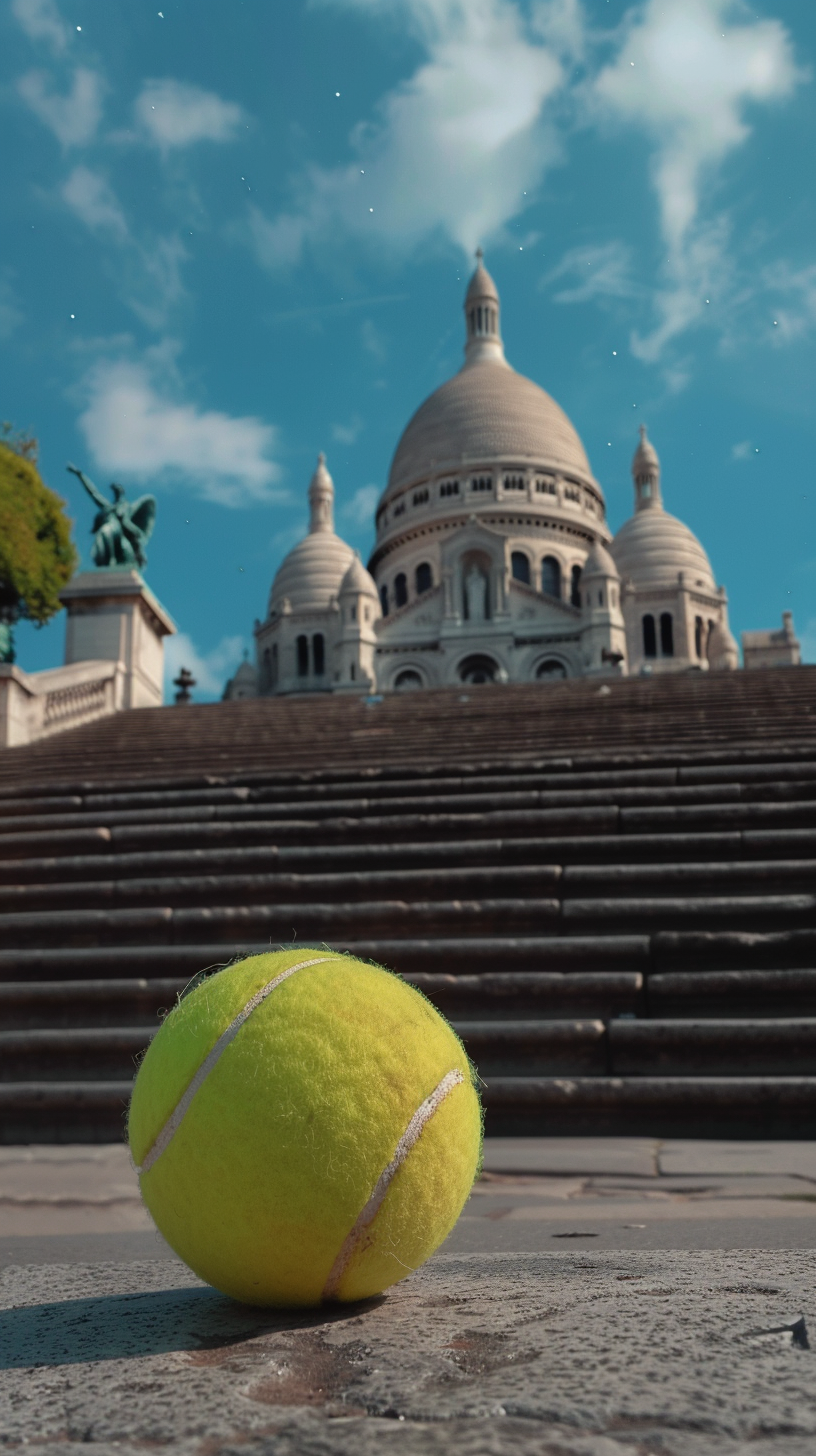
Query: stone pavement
600 1297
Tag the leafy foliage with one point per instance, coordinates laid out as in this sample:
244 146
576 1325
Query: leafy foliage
37 555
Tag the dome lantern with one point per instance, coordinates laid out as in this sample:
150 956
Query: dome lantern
321 498
646 475
482 317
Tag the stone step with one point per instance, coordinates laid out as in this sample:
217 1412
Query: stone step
497 1047
467 918
289 787
28 1005
688 952
404 854
726 1107
524 880
783 803
733 993
734 1047
435 955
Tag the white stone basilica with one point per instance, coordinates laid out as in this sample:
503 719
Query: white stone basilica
493 560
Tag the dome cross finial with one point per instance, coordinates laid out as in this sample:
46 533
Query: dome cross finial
321 498
479 253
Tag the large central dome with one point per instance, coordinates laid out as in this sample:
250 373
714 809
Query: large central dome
487 412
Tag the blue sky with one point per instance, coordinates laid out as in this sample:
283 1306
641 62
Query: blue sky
236 235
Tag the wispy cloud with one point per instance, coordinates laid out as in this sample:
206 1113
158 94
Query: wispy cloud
452 149
41 20
211 669
792 293
74 116
175 114
93 201
139 427
687 73
348 433
360 509
598 271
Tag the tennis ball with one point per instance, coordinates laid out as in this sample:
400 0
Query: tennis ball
305 1128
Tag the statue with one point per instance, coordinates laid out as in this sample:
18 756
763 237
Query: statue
476 595
121 528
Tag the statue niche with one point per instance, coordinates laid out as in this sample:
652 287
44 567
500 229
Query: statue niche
121 528
476 593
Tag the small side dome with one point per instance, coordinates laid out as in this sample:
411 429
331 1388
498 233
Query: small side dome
310 576
599 563
358 582
652 548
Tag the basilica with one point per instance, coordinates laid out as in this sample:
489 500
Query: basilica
493 560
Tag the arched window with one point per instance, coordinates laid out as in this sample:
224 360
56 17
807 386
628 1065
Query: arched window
550 669
424 578
698 636
649 637
319 654
520 566
384 599
478 669
666 634
352 671
274 674
575 588
401 590
303 656
551 577
407 680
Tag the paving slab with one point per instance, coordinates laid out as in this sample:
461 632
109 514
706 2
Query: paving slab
570 1353
758 1158
559 1156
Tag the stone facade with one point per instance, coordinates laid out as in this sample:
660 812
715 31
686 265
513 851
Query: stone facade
493 559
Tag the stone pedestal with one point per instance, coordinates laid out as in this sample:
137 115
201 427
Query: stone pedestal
114 617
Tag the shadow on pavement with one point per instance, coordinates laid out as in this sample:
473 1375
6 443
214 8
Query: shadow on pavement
121 1326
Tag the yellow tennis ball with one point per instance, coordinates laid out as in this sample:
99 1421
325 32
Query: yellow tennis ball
306 1128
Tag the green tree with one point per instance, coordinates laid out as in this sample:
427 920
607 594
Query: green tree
37 555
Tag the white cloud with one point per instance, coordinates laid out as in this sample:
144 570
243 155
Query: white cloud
599 271
73 118
347 434
744 450
793 292
154 282
176 114
136 429
360 509
210 669
94 202
453 148
688 75
41 20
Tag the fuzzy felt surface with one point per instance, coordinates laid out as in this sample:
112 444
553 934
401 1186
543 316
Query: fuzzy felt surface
283 1142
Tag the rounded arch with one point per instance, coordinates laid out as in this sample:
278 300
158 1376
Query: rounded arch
423 578
520 566
551 577
400 589
550 669
478 667
408 680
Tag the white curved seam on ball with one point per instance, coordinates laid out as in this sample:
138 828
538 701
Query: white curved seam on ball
213 1057
409 1138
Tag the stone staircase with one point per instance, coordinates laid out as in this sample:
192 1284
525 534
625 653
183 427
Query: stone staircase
610 891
